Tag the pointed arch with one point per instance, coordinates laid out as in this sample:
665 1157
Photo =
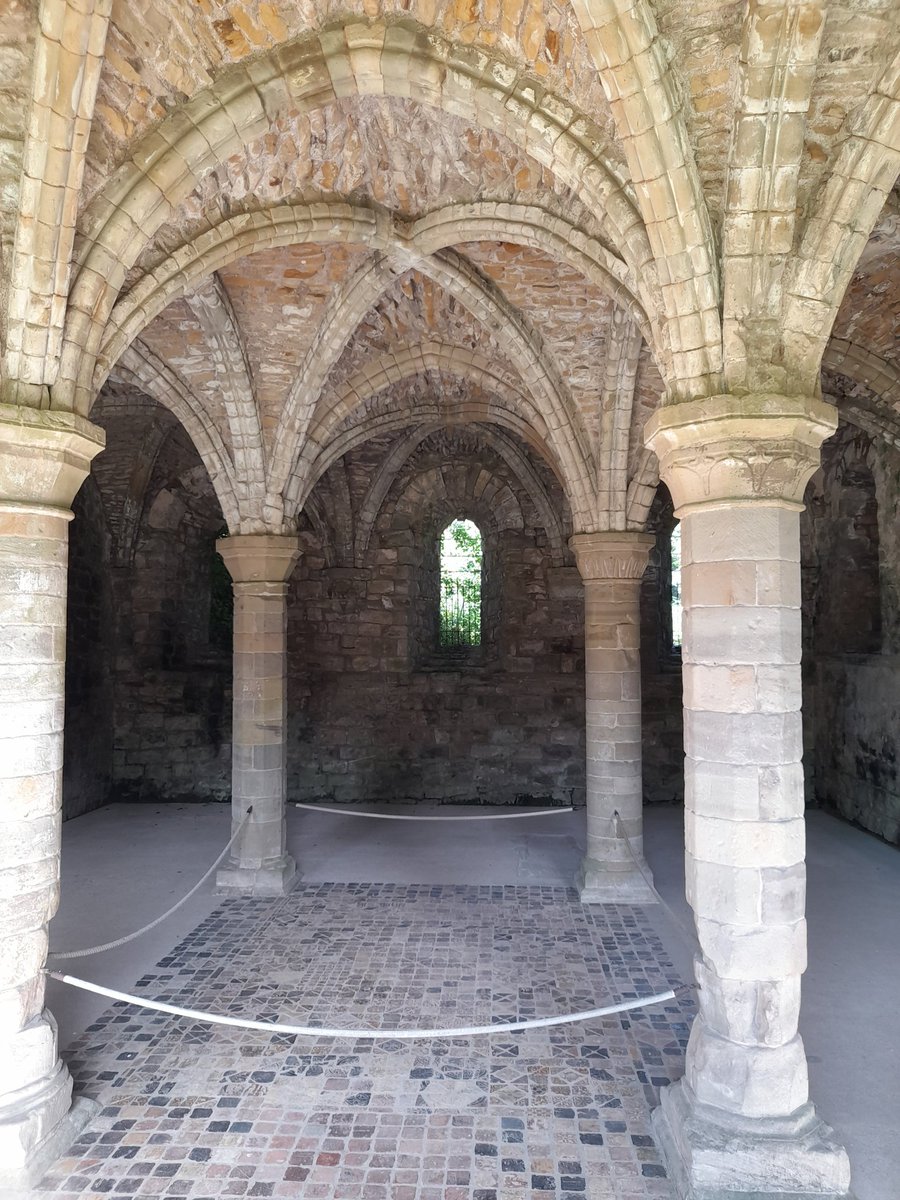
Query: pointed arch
124 541
476 412
779 57
287 225
212 307
864 172
488 305
218 247
504 447
532 225
467 364
645 98
617 402
862 365
390 58
534 363
69 51
146 372
342 316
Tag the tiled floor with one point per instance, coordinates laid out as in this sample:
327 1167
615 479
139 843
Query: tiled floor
207 1112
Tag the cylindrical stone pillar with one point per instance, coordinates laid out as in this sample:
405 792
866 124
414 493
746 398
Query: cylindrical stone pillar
260 565
611 565
44 458
740 1121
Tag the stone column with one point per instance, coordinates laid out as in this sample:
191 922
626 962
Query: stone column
740 1122
611 565
44 459
260 565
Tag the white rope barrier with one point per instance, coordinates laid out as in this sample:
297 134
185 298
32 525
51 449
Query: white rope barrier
507 816
360 1034
130 937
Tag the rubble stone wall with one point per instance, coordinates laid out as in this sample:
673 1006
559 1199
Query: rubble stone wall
90 655
376 712
852 633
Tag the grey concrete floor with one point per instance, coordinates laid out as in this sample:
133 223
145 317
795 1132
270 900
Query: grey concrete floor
125 863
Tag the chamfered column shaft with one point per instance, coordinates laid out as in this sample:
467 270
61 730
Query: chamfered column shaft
44 458
611 565
740 1121
260 565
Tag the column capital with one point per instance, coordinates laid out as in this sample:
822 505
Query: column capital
260 557
45 455
735 450
613 554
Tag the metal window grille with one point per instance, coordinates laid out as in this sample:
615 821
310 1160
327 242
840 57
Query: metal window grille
460 611
460 586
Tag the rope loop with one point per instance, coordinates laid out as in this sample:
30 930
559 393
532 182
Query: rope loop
130 937
408 1035
507 816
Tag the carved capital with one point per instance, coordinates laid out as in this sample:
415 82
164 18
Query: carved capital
259 557
739 449
612 555
45 456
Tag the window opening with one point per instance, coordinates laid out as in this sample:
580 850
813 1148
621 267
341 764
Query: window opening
675 557
460 597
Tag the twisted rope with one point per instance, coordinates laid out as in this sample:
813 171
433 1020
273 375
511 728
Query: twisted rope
130 937
358 1034
508 816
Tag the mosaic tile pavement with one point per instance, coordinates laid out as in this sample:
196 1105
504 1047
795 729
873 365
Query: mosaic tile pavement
208 1112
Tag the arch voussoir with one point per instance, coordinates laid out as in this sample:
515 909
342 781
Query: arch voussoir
358 58
144 370
343 316
624 42
327 433
864 172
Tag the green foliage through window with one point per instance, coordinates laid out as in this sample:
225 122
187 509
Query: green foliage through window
461 556
675 551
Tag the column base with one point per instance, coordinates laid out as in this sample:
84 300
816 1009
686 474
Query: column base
598 884
38 1129
716 1156
274 879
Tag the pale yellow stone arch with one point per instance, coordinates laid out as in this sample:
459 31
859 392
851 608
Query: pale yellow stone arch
510 406
189 265
222 244
877 411
342 317
617 403
503 445
145 371
779 56
68 59
233 378
552 430
531 225
641 490
534 364
866 367
645 100
356 59
863 174
339 222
